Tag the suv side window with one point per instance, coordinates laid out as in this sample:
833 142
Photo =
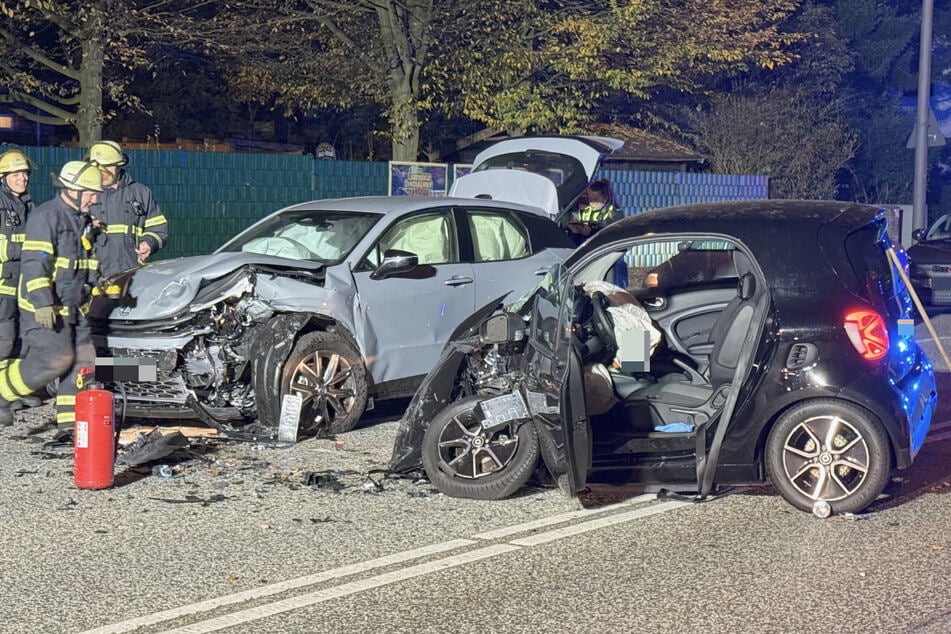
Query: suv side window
497 237
431 236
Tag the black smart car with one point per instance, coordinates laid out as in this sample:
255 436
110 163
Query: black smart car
797 368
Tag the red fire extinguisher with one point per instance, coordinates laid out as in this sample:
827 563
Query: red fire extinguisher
94 438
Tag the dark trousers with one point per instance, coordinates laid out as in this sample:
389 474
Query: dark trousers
49 355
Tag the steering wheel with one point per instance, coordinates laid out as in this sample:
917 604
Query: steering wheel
601 320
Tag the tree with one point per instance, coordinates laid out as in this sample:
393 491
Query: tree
59 61
798 139
547 66
516 65
323 53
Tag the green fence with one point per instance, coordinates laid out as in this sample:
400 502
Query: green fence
210 196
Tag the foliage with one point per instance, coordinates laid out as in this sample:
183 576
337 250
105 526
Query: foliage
60 60
798 139
546 67
517 65
326 54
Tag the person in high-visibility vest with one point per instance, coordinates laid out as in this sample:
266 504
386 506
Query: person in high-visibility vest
597 213
57 272
129 225
15 205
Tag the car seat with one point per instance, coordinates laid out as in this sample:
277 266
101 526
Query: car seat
691 397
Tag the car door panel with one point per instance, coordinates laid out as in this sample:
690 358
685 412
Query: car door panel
688 318
407 321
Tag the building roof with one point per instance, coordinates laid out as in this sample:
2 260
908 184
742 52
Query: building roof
641 146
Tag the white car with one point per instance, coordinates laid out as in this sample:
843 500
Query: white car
338 301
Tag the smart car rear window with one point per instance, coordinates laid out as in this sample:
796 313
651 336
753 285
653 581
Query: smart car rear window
865 249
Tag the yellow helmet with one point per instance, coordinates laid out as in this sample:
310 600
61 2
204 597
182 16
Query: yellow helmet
14 161
79 176
106 153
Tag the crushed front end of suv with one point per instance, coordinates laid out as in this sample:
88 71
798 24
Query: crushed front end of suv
336 302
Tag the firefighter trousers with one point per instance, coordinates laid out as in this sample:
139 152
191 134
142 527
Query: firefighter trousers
8 337
49 355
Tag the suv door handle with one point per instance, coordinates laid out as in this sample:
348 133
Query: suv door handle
458 280
543 270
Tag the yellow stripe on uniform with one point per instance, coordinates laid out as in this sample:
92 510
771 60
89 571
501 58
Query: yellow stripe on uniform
117 228
155 221
65 417
154 236
38 245
14 381
66 400
38 283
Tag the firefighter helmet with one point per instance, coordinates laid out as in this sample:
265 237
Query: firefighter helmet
79 176
106 153
14 161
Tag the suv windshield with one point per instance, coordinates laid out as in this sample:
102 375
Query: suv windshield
320 236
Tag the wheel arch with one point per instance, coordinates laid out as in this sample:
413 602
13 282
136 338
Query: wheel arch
270 350
783 408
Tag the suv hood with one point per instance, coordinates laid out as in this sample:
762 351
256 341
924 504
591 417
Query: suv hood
546 172
164 288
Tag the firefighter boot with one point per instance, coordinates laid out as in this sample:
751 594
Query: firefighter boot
6 413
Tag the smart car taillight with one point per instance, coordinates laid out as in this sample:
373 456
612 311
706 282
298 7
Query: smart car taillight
868 334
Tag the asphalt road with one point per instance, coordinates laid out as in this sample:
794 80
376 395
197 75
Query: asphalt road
311 538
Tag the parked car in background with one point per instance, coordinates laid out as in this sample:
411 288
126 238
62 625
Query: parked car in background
793 373
930 263
338 301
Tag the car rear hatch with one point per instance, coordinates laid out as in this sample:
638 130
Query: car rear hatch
545 172
874 278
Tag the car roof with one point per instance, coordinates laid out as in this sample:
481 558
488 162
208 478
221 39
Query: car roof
749 221
387 205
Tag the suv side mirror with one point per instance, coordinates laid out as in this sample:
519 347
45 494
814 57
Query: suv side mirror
919 234
395 262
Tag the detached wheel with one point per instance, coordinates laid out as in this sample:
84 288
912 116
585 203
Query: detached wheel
330 376
463 459
828 450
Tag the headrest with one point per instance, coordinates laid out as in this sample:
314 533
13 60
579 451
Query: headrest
747 286
742 263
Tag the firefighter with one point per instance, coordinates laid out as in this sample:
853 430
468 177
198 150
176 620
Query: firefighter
15 205
56 276
129 224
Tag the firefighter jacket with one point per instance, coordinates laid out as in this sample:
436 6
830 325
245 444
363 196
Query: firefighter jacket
56 267
129 215
13 212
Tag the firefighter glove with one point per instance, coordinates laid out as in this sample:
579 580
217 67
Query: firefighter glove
46 317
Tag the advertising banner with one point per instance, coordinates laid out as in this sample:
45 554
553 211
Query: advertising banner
418 179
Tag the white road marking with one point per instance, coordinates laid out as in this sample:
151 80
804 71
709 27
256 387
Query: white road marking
279 587
558 519
345 589
611 520
311 598
938 431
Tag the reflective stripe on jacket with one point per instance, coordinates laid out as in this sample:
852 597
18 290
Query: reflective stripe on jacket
129 215
56 270
13 214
